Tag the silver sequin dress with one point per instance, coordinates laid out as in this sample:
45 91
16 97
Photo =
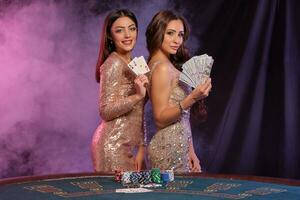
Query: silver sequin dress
121 130
169 146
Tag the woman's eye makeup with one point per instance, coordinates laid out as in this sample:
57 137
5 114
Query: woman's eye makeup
170 33
132 28
119 30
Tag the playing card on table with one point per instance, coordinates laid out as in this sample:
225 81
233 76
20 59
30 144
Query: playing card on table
196 70
139 66
132 190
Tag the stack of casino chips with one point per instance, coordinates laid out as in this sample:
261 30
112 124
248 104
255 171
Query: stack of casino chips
156 176
118 175
167 176
131 178
145 177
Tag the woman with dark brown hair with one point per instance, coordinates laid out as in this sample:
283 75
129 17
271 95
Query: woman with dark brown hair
121 98
172 144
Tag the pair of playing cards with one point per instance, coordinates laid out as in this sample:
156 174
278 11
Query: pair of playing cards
139 66
196 70
132 190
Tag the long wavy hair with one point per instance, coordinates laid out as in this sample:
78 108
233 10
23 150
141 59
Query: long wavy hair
107 45
155 35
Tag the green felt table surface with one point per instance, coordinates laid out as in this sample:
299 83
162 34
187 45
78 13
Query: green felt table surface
184 187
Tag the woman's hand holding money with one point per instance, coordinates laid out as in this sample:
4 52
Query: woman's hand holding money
201 91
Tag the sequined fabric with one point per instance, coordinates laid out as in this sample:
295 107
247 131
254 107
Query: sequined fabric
120 131
169 146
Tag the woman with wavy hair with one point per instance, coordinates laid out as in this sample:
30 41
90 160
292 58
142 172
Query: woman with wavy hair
121 98
172 144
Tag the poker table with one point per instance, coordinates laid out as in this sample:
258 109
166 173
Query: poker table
185 186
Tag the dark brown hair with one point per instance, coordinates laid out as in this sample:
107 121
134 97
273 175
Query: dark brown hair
155 35
107 45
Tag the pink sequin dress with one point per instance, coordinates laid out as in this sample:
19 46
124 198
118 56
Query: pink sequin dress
121 130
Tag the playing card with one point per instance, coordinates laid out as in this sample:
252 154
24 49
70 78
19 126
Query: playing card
132 190
143 67
134 67
139 66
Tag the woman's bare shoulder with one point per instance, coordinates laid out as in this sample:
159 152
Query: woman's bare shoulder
162 67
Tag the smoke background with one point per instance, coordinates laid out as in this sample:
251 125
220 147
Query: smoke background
49 96
48 106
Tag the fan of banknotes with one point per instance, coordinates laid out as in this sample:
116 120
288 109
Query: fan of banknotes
139 66
196 70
